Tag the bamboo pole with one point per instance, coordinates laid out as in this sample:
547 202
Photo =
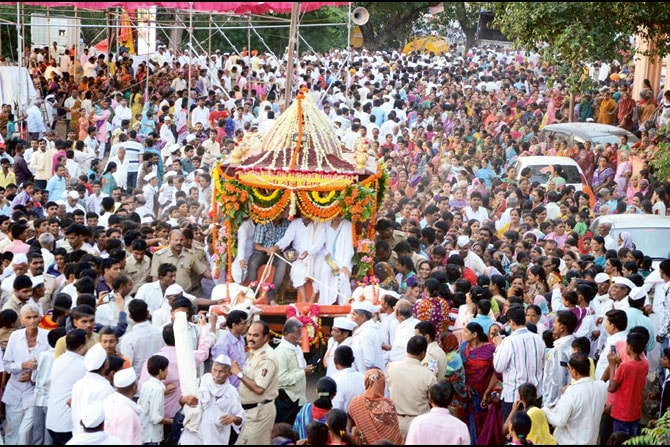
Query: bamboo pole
190 64
76 49
291 46
20 62
249 56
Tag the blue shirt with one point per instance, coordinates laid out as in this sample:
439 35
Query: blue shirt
56 188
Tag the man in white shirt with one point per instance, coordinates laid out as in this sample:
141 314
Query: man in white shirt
200 114
153 293
94 386
307 239
72 202
67 369
121 112
122 166
470 259
475 210
366 342
404 331
576 417
349 382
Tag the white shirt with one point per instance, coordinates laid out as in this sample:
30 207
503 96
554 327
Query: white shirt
367 347
350 383
403 332
200 115
152 294
576 416
16 353
65 371
140 343
481 214
90 388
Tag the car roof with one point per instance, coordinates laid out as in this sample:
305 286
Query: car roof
547 160
621 221
589 130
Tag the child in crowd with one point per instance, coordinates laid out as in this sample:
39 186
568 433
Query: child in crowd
627 380
152 399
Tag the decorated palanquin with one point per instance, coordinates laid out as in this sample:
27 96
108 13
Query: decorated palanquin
299 164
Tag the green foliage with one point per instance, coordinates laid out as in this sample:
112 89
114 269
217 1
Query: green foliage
661 163
390 24
658 434
573 34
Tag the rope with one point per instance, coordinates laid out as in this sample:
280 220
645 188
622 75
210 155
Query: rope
311 277
266 46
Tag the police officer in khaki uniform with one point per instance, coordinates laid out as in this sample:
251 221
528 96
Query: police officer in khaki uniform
138 265
185 260
409 382
258 386
198 250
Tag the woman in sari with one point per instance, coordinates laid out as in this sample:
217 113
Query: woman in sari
316 411
386 275
373 417
432 306
455 374
477 355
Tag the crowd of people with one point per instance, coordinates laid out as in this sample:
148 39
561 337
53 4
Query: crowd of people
503 316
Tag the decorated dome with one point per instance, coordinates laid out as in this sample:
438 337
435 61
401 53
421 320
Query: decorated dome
301 139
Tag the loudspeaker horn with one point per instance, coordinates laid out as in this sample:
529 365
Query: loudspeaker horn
360 16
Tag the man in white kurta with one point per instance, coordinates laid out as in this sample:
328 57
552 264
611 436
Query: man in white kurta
221 407
122 166
67 369
339 250
366 341
245 247
121 112
94 386
404 331
306 237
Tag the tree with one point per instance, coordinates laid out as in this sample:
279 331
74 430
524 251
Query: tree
391 24
572 35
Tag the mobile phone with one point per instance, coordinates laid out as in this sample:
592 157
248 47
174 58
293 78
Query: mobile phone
314 360
612 349
106 297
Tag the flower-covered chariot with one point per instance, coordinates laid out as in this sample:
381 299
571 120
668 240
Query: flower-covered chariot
300 165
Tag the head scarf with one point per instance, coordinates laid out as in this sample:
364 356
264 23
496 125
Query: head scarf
626 240
374 415
375 383
450 343
386 276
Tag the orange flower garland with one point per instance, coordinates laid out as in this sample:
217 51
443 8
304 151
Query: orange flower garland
298 145
315 211
260 214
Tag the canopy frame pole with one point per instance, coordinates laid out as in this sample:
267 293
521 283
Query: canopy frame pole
291 46
190 64
20 61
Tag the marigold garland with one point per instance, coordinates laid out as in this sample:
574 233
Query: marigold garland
316 211
327 200
260 214
267 200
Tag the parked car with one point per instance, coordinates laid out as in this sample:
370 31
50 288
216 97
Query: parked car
647 231
539 169
574 133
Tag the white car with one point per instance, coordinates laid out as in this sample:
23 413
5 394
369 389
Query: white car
539 169
650 233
